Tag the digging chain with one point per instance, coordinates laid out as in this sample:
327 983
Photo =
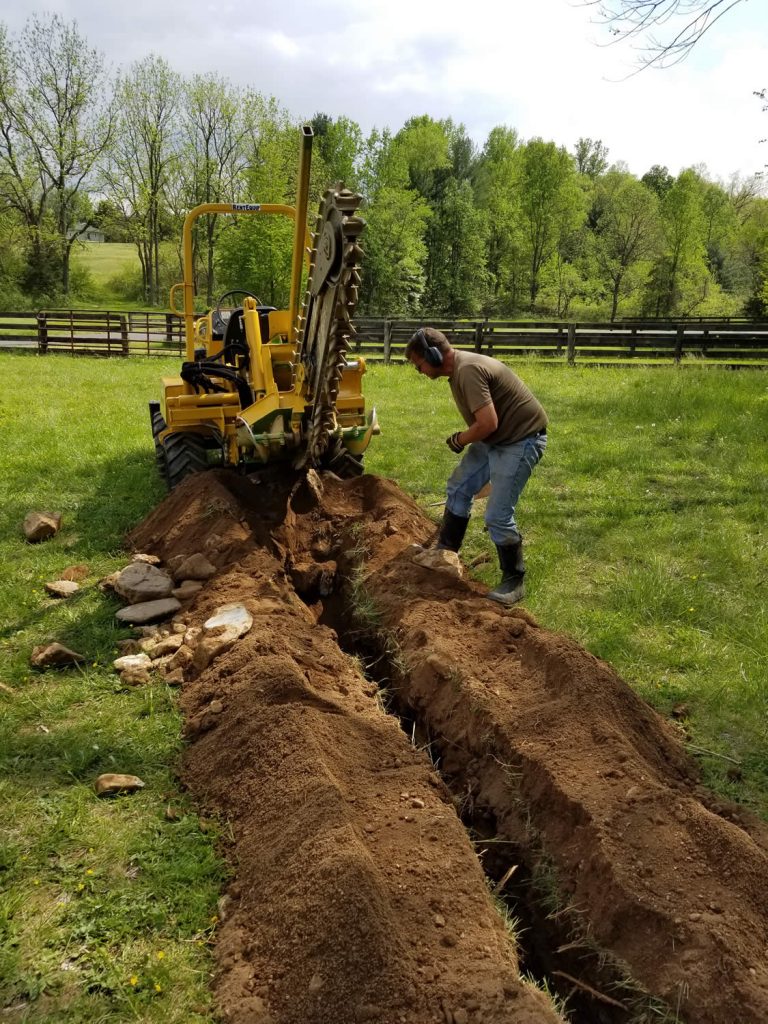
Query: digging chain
325 329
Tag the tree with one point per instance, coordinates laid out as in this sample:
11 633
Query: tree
396 218
56 121
552 206
498 195
591 157
456 275
339 145
213 155
255 252
626 229
658 180
630 19
141 161
680 276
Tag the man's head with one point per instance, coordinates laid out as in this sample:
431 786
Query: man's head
430 352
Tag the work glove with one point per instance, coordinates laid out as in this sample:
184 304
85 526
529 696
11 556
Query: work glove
454 443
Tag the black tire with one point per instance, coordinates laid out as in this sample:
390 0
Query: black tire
184 454
158 426
342 462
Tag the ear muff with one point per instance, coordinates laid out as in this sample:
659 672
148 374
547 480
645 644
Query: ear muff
432 355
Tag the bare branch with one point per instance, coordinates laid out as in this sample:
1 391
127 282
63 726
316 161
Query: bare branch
636 19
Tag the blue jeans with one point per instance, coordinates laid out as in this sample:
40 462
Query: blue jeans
507 467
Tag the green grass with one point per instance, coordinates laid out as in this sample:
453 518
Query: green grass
107 907
646 540
105 260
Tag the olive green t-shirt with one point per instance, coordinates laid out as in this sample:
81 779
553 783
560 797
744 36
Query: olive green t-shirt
479 380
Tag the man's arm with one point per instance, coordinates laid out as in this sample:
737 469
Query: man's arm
486 421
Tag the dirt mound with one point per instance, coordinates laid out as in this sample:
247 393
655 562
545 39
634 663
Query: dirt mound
358 894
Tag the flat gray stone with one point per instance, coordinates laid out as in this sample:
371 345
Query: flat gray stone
148 611
62 588
139 582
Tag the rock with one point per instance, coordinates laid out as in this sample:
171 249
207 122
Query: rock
39 526
132 662
439 560
107 583
128 647
168 645
147 559
178 626
417 802
315 984
54 655
135 676
149 631
187 589
192 636
196 567
109 785
211 647
182 658
175 678
76 573
139 582
439 921
216 707
148 611
61 588
233 618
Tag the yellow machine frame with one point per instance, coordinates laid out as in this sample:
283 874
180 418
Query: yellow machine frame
272 423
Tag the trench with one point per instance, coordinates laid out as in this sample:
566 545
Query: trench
554 949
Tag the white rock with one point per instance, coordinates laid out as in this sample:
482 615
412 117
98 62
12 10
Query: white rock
132 662
234 618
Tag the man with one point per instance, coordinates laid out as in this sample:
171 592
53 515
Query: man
506 436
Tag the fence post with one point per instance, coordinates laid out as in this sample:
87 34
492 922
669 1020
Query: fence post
124 334
387 341
478 337
679 343
169 326
42 334
571 350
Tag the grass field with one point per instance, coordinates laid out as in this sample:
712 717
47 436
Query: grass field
646 540
105 260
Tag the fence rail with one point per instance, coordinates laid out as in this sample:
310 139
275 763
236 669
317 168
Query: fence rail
729 343
93 332
155 333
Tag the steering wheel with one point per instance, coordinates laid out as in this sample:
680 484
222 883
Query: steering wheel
219 315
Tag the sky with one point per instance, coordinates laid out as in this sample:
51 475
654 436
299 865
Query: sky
539 66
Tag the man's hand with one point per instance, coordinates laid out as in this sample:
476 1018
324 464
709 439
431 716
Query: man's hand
454 443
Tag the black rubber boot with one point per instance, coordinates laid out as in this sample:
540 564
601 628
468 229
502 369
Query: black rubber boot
512 588
451 532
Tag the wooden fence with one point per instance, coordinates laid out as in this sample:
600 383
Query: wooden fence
728 343
735 343
93 332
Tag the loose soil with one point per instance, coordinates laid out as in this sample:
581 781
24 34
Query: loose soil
388 746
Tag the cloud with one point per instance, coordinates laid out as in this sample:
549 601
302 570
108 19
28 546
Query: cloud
532 66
